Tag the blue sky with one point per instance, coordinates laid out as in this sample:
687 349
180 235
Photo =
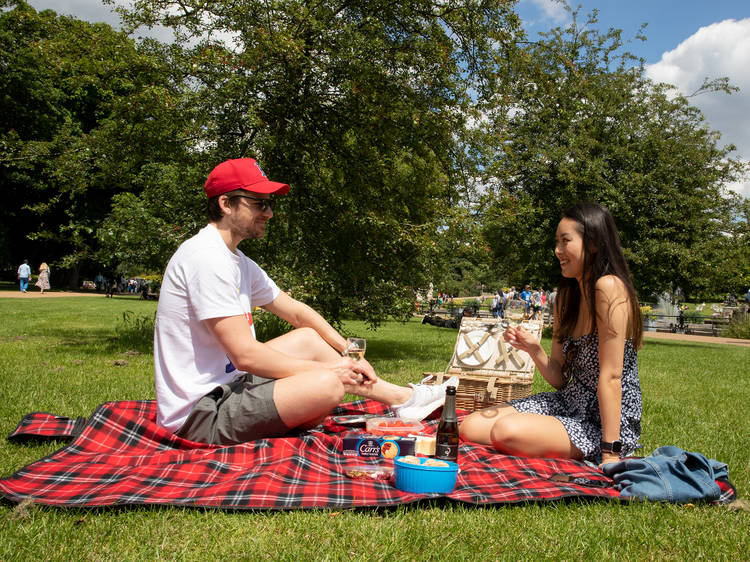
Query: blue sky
687 41
669 21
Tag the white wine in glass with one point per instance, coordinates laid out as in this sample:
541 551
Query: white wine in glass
355 348
515 311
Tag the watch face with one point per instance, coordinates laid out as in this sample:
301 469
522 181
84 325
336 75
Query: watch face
614 447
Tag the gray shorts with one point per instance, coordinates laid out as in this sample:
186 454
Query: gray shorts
240 411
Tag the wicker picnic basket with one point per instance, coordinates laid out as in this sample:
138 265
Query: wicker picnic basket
489 370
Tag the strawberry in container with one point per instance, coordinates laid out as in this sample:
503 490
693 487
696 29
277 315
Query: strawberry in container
394 426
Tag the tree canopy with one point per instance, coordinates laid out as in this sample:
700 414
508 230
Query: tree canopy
84 111
423 141
586 125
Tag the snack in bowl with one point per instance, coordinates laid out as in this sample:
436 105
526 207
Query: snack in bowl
434 462
425 476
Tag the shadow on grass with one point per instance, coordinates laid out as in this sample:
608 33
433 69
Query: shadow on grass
392 348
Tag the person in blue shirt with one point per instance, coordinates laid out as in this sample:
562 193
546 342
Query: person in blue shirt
526 297
24 273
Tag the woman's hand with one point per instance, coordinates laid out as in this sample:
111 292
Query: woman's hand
521 339
608 458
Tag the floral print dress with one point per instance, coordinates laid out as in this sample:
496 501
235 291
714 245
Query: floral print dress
576 405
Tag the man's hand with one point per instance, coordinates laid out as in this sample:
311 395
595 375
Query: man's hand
353 373
365 372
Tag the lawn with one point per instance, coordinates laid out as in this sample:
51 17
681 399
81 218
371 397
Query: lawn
67 355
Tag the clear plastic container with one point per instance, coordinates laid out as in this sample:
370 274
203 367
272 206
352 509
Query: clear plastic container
394 426
368 472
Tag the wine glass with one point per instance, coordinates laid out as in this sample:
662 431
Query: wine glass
515 311
355 348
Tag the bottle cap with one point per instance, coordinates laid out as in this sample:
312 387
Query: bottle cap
450 389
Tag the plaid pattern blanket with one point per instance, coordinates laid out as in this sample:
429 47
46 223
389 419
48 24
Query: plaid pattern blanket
120 457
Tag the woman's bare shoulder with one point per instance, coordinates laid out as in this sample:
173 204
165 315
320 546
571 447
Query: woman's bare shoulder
611 285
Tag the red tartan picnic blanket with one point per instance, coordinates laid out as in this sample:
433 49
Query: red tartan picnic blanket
121 457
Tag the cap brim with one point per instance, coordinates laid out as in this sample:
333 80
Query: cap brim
269 187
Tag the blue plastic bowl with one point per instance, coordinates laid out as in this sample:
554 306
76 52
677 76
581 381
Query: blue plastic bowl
420 479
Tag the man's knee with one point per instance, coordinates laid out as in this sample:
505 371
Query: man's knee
308 334
331 388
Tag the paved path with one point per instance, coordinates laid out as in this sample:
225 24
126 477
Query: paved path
647 335
35 294
693 338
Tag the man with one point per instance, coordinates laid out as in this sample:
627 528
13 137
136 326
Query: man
215 383
526 297
24 273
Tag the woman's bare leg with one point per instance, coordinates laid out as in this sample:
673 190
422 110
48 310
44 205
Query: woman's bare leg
518 433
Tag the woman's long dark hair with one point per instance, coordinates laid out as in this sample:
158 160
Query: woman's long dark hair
602 255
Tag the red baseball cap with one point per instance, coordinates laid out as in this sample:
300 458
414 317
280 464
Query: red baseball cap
241 173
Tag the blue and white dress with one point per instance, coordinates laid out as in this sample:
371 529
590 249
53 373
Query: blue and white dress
576 405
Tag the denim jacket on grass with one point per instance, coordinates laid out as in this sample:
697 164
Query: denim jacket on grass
668 474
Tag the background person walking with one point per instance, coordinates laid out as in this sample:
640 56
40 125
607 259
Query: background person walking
43 281
24 272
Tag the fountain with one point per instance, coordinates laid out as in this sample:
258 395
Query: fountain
665 304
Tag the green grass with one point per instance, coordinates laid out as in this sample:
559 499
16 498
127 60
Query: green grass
67 355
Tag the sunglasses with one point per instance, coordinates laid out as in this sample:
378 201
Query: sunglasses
263 204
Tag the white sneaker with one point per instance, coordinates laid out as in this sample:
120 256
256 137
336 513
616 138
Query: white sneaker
425 399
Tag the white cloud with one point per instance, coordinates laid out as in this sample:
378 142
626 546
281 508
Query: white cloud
720 49
546 12
88 10
95 11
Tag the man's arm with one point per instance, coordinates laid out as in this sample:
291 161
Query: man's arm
247 354
300 315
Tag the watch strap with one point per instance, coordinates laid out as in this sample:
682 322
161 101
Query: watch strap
610 446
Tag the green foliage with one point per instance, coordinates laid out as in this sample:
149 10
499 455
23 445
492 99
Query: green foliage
587 125
269 326
360 107
739 328
103 109
425 142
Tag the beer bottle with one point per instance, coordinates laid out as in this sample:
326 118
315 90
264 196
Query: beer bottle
446 440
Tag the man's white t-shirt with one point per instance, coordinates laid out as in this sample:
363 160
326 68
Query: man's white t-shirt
204 279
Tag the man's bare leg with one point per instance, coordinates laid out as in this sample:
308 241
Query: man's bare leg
305 343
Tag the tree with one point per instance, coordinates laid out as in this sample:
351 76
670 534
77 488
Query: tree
77 98
360 106
587 125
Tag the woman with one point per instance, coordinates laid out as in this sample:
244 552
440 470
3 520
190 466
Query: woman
595 414
43 281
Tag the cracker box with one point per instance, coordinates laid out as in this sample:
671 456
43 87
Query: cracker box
386 446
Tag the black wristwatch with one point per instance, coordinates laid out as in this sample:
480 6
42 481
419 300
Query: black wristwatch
611 446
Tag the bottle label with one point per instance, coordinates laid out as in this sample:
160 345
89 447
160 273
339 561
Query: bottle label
446 449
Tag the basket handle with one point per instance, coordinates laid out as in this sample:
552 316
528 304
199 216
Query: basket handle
491 388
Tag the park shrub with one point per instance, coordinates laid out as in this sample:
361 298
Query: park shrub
739 329
269 326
